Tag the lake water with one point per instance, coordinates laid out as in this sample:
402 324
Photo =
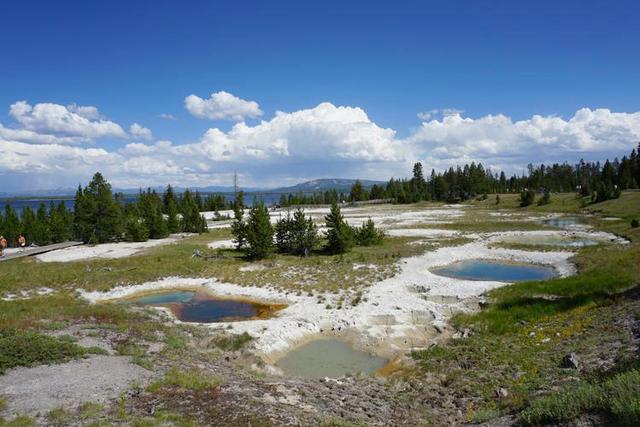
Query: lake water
492 270
328 358
202 307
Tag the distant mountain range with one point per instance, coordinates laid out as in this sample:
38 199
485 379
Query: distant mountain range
324 184
338 184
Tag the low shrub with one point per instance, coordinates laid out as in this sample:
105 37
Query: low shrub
635 223
27 348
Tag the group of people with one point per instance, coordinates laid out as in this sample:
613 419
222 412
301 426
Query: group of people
22 244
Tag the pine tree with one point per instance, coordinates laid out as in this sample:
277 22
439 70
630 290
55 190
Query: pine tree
11 225
192 220
41 233
60 223
368 234
238 227
283 230
29 223
304 234
259 232
358 193
339 235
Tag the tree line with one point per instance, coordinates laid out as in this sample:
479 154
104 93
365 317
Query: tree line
599 181
100 216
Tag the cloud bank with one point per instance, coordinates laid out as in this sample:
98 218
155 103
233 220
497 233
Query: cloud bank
47 146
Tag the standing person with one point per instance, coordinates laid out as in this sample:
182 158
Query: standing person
3 244
22 242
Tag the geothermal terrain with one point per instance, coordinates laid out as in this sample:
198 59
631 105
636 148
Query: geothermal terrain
466 313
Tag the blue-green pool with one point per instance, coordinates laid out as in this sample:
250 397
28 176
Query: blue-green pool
202 307
476 269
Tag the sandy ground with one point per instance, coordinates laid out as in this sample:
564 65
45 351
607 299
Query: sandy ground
105 250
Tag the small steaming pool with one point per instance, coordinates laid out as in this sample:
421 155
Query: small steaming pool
564 222
477 269
329 358
202 307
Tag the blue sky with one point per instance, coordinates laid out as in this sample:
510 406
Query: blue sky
134 61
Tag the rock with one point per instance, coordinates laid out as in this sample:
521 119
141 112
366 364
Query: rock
502 393
571 361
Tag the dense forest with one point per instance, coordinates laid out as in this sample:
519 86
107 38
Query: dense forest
101 216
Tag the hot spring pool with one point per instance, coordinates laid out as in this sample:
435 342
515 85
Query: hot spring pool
475 269
328 358
202 307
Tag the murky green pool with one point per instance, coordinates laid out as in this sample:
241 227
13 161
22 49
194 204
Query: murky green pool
329 358
475 269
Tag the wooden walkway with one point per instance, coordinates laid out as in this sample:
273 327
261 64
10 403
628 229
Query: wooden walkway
36 250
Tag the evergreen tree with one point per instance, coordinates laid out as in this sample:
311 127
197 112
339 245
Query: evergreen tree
28 223
150 211
98 216
259 232
368 234
358 193
283 231
238 227
192 220
60 222
41 233
304 234
339 235
527 197
545 199
10 225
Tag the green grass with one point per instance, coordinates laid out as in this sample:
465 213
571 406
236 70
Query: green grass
22 421
197 380
59 417
617 398
230 342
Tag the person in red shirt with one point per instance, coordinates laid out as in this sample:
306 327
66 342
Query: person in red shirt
3 244
22 242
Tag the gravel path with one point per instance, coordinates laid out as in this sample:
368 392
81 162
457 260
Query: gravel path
97 379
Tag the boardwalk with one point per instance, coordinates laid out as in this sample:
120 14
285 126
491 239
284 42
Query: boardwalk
35 250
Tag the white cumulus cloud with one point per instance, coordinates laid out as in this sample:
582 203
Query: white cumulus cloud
500 141
141 132
56 119
222 106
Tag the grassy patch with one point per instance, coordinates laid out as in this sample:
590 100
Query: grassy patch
27 348
196 380
229 342
59 417
618 398
22 421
